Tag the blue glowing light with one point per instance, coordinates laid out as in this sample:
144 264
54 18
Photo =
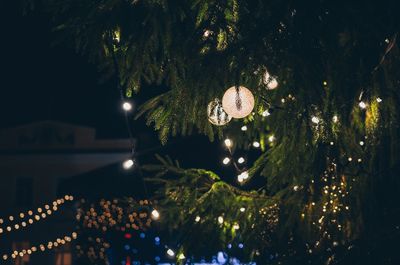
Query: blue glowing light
142 235
127 247
157 258
240 245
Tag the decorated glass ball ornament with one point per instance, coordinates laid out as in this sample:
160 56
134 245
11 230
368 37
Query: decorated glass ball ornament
270 81
238 101
216 114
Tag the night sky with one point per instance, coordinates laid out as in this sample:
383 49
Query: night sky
42 80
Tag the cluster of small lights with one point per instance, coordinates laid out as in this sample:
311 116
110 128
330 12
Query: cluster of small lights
117 215
32 216
42 247
333 206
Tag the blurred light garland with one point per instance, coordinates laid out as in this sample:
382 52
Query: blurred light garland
42 247
33 216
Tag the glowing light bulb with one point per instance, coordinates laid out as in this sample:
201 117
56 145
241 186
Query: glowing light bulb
243 176
271 138
266 113
236 226
335 119
244 128
197 219
127 106
127 164
181 256
155 214
226 160
241 160
228 142
315 119
170 252
256 144
242 209
350 159
362 104
220 219
378 99
362 143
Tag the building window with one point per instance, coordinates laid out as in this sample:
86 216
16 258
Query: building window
24 192
24 260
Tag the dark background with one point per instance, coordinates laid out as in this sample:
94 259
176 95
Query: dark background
41 80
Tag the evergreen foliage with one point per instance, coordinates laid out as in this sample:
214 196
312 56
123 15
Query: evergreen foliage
328 56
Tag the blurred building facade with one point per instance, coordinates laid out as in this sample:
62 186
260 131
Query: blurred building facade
35 159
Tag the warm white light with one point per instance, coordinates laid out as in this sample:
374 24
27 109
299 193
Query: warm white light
238 103
128 164
335 119
273 83
266 113
170 252
226 160
244 128
359 160
228 142
220 219
362 143
236 226
271 138
378 99
350 159
242 209
241 160
243 176
362 104
332 143
256 144
127 106
181 256
315 119
197 219
155 214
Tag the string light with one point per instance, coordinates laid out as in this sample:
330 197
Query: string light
244 128
37 217
228 142
242 209
315 119
220 219
241 160
170 252
181 256
243 176
362 105
362 143
378 99
271 138
49 245
197 219
335 118
256 144
127 106
155 214
226 160
266 113
128 164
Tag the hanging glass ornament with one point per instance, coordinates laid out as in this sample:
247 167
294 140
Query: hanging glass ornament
270 81
238 101
216 114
